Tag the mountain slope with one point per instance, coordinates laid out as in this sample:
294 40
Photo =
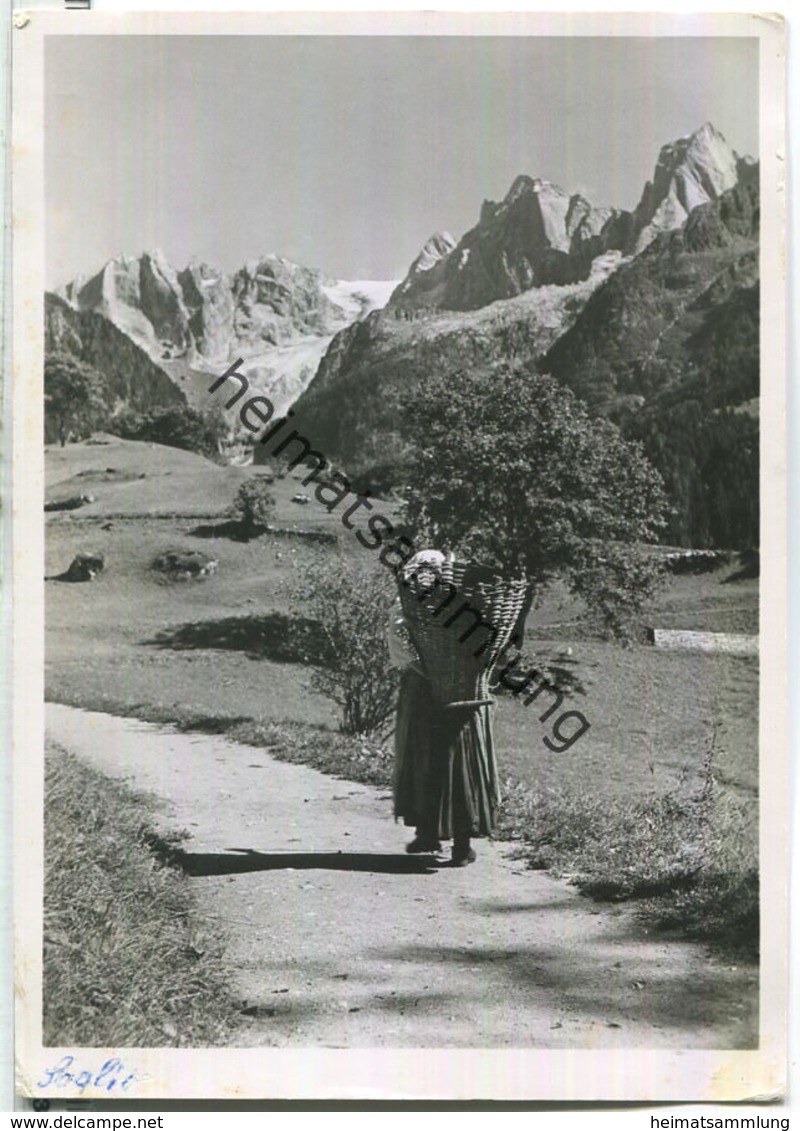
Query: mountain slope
352 410
667 308
133 379
669 348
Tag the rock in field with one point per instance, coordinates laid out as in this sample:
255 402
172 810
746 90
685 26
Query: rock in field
184 565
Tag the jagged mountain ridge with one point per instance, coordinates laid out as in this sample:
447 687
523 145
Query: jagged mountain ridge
277 315
206 316
665 342
647 314
537 236
653 311
540 235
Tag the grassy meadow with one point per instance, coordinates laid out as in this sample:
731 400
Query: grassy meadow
211 654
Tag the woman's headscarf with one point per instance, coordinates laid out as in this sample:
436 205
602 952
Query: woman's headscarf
424 561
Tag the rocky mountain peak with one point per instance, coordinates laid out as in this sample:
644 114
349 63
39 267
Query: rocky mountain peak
426 274
689 172
440 244
521 186
536 235
539 234
152 255
204 315
278 315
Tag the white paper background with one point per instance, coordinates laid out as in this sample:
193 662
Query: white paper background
335 1073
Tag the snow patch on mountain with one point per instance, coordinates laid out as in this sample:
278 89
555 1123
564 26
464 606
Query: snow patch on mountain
284 372
357 299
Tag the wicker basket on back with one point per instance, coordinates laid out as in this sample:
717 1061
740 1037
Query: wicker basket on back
459 618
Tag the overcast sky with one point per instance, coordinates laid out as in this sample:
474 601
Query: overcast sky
346 153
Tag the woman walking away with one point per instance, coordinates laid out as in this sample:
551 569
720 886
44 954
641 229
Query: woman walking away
445 782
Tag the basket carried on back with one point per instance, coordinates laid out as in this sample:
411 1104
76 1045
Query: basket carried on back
459 618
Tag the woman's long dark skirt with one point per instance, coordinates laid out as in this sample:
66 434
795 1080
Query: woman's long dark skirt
445 771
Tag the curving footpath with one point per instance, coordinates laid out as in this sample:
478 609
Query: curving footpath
338 939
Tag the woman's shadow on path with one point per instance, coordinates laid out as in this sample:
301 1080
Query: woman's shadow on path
237 860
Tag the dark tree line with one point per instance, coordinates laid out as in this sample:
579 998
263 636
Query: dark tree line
709 461
79 400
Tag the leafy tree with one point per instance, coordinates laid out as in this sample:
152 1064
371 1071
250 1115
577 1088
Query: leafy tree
510 469
177 426
254 504
350 598
74 397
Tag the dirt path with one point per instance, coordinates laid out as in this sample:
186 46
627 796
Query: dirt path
339 939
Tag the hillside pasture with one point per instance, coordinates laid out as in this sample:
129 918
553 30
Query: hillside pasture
214 649
134 479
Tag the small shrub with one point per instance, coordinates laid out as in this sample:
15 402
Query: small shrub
351 602
254 504
184 565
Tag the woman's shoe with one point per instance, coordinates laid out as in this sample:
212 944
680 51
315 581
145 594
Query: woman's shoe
461 856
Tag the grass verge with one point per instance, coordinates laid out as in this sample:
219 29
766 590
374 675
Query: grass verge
690 861
356 758
126 961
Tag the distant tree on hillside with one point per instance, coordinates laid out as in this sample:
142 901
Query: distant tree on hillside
510 469
74 397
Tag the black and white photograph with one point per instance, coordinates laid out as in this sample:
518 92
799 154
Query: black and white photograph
400 556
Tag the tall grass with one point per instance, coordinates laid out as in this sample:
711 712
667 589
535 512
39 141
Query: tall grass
127 962
691 861
721 906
